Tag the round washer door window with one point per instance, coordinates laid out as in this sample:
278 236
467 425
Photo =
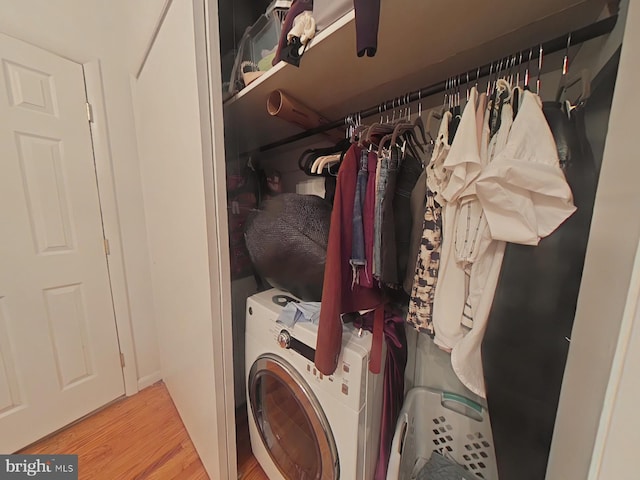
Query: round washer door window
291 423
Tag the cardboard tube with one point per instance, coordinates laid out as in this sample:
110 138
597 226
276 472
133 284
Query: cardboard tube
279 104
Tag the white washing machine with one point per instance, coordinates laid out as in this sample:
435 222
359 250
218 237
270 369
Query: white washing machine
304 425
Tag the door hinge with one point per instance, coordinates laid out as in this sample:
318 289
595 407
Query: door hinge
122 363
107 247
89 112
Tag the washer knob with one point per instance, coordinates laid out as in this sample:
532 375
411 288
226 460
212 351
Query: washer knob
284 339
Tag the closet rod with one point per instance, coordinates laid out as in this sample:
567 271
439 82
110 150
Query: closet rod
581 35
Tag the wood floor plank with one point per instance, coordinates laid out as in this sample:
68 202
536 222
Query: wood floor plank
141 438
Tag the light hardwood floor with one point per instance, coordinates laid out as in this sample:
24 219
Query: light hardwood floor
141 437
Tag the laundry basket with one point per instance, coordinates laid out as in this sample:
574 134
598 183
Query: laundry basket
443 422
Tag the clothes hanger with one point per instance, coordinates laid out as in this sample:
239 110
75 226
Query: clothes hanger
503 87
430 116
584 78
401 127
386 125
445 101
457 108
412 137
513 70
303 161
394 127
494 102
518 70
516 97
379 128
489 80
389 136
308 157
565 69
418 121
321 162
348 126
407 128
468 93
455 111
527 72
357 133
538 82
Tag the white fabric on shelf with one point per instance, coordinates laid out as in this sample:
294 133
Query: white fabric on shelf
304 27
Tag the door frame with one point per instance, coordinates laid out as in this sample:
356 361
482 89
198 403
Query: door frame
103 164
216 198
207 51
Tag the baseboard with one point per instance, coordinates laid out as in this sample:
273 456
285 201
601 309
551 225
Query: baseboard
149 380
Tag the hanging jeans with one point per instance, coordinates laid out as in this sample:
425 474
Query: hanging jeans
388 250
358 259
408 173
368 219
381 184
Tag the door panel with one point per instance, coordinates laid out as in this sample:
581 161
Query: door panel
59 356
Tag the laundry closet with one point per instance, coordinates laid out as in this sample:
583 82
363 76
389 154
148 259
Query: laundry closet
538 415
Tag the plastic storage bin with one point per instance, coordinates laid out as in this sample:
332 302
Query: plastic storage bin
258 45
448 423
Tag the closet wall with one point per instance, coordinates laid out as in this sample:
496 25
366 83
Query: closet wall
247 125
607 295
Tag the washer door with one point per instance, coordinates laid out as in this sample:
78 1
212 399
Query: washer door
292 425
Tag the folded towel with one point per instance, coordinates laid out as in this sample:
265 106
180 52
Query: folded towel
300 312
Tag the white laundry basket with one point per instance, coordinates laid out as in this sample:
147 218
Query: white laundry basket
448 423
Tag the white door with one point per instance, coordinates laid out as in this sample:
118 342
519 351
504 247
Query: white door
59 356
185 208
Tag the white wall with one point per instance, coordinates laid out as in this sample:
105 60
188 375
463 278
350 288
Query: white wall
142 18
85 30
615 455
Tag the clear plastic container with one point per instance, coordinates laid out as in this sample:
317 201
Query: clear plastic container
258 46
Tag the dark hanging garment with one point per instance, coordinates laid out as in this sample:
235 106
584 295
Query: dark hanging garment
367 14
393 380
408 174
388 250
525 347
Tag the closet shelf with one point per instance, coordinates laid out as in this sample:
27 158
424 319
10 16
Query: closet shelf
420 42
